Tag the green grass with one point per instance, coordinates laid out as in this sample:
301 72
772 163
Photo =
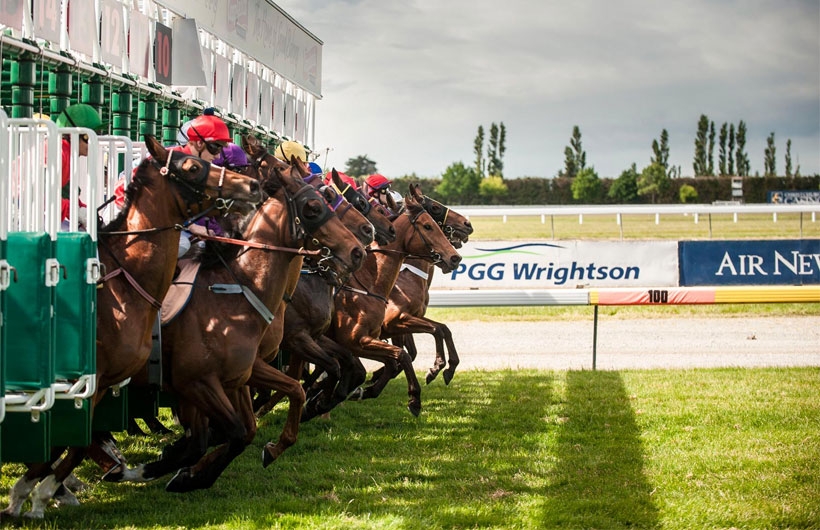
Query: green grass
671 449
748 226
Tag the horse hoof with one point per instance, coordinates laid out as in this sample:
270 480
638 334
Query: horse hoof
448 376
414 409
267 458
181 483
356 395
430 376
66 498
115 474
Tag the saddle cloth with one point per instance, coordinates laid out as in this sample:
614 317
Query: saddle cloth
180 290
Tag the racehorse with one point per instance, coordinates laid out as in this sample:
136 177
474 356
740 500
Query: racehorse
360 305
210 347
407 303
138 249
308 315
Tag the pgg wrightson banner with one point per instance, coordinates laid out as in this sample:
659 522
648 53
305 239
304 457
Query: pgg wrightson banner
570 264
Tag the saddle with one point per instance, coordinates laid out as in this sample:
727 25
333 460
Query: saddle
180 291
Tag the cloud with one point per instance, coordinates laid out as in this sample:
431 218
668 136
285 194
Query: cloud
409 83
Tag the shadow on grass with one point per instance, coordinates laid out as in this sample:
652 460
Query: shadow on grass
599 481
492 450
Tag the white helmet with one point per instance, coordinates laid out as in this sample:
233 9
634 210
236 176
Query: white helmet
399 198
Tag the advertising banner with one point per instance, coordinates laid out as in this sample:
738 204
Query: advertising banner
762 262
570 264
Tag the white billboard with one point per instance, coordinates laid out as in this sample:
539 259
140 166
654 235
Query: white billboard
563 264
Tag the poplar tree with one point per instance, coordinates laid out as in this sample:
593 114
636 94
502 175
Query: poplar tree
769 160
502 147
492 151
478 149
700 164
575 159
724 132
730 151
789 158
710 168
741 158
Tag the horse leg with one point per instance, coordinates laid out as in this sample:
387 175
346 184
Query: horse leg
25 484
387 353
240 431
267 376
45 491
453 359
184 451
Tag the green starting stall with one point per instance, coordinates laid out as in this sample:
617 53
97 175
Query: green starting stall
50 313
5 270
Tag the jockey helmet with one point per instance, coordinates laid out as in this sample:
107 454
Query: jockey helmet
315 169
79 115
347 180
289 149
232 157
377 181
208 128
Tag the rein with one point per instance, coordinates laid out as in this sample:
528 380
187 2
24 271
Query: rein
324 252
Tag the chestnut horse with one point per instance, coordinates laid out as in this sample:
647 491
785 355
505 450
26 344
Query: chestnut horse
408 300
210 347
308 314
360 305
139 251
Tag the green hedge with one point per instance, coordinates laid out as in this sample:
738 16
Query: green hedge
535 190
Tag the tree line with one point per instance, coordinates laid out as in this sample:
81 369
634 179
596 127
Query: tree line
578 182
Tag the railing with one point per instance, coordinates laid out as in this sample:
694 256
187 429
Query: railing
619 210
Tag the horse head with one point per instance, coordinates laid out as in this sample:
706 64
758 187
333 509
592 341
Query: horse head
201 186
314 225
376 214
455 226
426 239
352 217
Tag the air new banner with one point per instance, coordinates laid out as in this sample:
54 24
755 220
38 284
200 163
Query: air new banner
567 264
767 262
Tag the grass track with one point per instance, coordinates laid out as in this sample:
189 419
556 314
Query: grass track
672 449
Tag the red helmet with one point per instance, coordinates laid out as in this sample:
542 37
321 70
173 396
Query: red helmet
345 179
377 181
208 128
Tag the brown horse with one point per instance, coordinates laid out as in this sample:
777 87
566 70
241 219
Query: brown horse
360 305
210 347
139 251
308 315
408 300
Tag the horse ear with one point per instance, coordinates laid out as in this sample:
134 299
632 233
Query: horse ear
415 190
250 144
158 152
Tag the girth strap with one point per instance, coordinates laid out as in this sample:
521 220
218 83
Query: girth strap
232 288
150 299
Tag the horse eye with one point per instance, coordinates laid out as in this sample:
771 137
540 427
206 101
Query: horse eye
428 226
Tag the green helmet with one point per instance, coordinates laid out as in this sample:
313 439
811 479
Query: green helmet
79 115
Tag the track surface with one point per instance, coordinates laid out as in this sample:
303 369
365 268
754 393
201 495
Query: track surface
632 344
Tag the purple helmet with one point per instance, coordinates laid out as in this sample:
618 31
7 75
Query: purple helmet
232 157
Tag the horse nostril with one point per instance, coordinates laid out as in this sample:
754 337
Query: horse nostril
357 254
255 188
455 260
392 230
367 230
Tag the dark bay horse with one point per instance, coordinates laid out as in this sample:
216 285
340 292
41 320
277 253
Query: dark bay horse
407 303
138 250
360 305
308 315
210 348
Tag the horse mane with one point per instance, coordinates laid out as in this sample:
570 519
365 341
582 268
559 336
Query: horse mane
139 181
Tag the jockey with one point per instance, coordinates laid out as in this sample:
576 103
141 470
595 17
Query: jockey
376 185
77 115
205 137
315 169
288 149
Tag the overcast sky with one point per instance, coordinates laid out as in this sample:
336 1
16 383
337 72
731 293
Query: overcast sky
407 83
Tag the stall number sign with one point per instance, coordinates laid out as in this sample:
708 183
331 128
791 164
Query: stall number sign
162 54
112 32
46 15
